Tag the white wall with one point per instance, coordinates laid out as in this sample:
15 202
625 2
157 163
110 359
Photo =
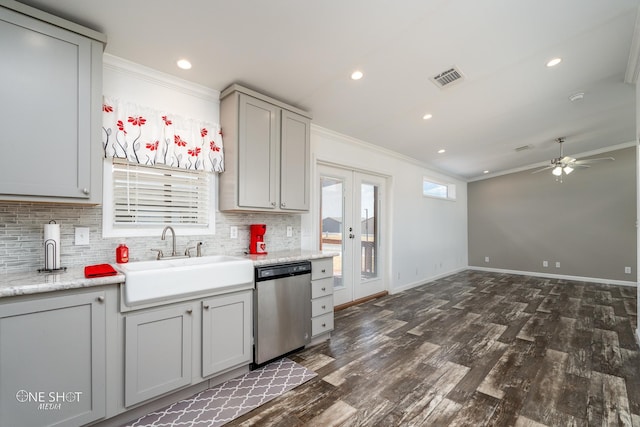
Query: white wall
428 237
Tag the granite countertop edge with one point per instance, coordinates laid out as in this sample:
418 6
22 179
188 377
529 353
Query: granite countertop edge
33 282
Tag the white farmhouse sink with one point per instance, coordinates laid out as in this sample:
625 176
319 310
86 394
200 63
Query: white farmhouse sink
149 281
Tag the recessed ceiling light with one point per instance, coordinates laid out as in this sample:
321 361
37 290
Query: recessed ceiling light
427 116
184 64
442 150
554 62
485 171
356 75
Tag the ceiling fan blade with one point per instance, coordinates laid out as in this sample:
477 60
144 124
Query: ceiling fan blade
543 169
587 161
567 159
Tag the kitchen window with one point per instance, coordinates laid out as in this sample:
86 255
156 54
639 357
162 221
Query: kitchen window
141 200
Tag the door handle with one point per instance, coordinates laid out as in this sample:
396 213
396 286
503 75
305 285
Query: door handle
351 235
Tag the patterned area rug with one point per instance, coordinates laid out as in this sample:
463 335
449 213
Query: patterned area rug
219 405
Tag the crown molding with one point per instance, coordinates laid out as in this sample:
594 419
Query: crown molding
321 131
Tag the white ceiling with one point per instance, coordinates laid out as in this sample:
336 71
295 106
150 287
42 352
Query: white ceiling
303 53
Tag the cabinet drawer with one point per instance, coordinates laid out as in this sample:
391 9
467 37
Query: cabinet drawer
322 287
321 268
322 305
322 324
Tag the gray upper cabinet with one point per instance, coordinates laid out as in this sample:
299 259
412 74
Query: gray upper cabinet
267 153
50 84
52 360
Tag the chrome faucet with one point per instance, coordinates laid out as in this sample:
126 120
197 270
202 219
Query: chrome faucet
173 234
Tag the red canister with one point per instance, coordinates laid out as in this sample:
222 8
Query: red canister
122 254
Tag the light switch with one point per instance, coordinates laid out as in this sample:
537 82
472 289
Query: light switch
233 232
82 236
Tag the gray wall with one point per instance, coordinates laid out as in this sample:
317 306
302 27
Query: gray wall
587 222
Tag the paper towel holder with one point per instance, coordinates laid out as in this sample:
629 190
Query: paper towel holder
51 248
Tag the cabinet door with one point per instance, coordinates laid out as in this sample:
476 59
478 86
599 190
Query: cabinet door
258 162
52 361
226 332
45 85
157 352
295 157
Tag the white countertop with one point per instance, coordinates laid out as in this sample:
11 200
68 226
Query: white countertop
33 282
288 256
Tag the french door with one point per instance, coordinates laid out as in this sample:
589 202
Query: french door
351 224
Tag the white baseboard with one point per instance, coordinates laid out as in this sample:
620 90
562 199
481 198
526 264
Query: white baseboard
557 276
425 281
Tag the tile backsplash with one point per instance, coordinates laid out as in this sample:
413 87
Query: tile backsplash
22 233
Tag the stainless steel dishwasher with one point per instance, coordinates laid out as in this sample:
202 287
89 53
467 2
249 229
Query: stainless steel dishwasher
282 304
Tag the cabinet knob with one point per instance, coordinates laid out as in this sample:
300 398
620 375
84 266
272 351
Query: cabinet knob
206 307
324 306
100 299
324 270
85 191
324 325
189 311
283 204
324 289
273 204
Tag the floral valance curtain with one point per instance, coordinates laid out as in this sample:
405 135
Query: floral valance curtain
148 137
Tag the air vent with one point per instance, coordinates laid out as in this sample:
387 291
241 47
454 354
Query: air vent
523 148
447 78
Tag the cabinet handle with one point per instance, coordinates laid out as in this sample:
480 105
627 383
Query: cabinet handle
324 306
189 311
85 191
100 299
324 270
324 289
206 307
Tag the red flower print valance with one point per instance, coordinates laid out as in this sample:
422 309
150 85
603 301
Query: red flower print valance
147 136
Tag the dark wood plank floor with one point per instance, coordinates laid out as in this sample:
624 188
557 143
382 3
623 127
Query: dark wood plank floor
474 349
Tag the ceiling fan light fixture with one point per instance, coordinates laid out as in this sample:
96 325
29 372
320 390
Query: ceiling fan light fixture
557 171
568 170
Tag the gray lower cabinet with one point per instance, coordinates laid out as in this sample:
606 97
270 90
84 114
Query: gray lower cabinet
51 86
158 351
226 332
165 345
52 360
321 298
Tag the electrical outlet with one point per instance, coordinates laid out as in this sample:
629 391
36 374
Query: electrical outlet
557 264
545 263
486 259
233 232
289 231
82 236
627 270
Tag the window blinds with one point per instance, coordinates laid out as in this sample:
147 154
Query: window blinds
156 195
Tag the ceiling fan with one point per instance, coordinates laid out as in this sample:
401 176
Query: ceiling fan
565 164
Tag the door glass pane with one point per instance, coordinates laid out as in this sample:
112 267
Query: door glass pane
368 231
332 214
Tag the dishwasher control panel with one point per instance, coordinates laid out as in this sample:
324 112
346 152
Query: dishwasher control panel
269 272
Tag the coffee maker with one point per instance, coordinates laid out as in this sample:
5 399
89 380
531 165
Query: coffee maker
257 245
